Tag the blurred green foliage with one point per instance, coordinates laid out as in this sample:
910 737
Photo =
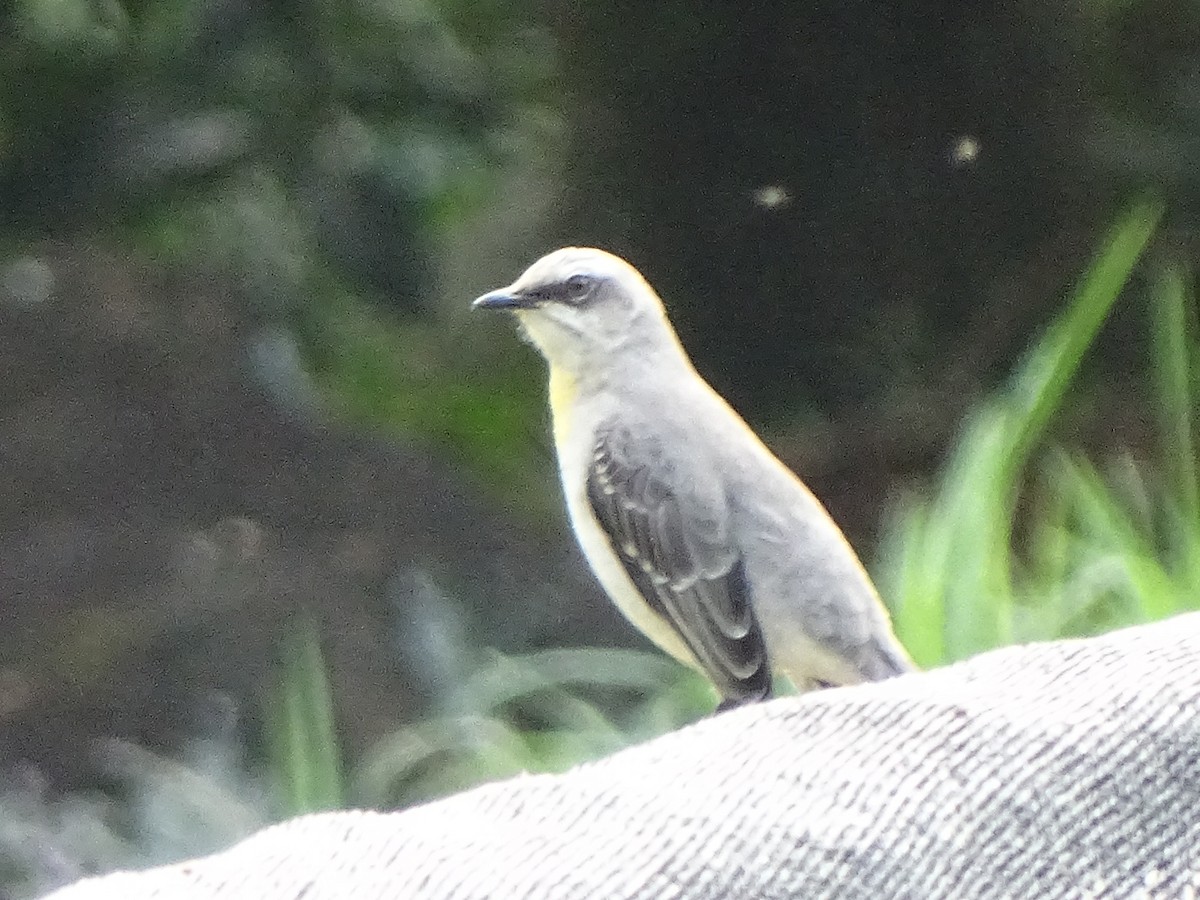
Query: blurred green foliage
411 377
314 152
542 712
1020 541
391 108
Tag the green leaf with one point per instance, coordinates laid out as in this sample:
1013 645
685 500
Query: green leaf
304 750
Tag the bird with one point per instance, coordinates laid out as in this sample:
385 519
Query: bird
696 531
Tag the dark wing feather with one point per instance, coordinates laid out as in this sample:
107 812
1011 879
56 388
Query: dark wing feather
677 561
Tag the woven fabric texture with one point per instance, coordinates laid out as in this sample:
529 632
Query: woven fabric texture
1060 770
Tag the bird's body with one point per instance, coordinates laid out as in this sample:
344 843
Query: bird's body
695 530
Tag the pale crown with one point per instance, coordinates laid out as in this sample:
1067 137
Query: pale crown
585 308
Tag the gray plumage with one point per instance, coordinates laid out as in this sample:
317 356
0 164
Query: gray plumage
678 552
696 531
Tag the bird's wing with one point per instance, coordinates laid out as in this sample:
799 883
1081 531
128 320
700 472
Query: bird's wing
674 545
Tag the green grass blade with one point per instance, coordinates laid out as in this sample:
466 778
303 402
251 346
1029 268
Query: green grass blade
911 584
1173 338
304 750
1041 382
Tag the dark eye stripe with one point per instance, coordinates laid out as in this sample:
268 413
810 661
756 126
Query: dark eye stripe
574 290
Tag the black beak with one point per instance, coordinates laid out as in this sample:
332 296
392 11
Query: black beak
503 299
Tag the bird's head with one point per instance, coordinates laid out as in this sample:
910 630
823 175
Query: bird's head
585 308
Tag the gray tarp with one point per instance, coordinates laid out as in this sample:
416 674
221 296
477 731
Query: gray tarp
1059 770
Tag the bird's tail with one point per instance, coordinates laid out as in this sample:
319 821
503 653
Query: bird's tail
888 661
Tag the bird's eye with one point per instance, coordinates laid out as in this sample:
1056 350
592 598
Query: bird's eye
577 286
